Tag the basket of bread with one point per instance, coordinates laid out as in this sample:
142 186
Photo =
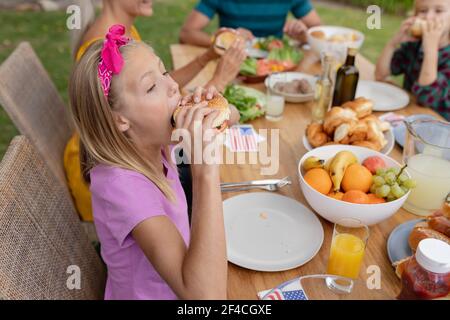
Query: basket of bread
352 124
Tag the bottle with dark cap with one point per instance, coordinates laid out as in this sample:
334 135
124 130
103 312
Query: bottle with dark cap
346 80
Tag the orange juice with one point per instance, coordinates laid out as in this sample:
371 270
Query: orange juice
346 255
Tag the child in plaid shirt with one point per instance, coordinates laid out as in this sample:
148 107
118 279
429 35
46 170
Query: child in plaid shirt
425 62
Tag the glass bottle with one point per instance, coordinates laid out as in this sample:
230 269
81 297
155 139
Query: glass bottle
324 87
347 78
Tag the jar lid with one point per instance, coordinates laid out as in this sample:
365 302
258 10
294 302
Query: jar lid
434 255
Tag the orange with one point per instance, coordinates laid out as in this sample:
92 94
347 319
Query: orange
319 179
373 199
357 177
336 195
356 196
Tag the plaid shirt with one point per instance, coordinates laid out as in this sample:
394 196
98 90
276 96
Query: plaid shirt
408 60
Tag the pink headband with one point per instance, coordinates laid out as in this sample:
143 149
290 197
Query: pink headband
111 60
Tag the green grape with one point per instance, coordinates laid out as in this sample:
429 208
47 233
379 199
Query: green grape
405 189
383 191
402 178
378 181
394 170
373 189
410 183
381 172
397 192
390 178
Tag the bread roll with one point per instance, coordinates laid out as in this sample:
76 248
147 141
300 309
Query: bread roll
419 233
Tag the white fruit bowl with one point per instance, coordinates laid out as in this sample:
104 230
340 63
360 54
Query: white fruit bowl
334 210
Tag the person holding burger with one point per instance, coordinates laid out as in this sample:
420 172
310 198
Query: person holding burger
420 51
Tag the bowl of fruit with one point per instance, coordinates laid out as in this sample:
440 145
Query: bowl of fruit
341 181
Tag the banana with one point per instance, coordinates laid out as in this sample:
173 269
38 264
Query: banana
338 166
312 162
327 164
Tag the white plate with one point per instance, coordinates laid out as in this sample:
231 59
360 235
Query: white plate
385 96
287 77
388 135
270 232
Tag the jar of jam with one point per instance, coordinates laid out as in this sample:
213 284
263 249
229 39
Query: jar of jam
427 274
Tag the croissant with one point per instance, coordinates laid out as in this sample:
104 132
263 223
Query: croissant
315 135
337 116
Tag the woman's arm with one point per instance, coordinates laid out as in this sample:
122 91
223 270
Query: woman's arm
192 30
198 271
185 74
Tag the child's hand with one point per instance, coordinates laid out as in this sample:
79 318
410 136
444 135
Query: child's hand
403 35
200 94
432 35
198 121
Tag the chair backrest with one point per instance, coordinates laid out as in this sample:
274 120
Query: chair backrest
34 105
43 248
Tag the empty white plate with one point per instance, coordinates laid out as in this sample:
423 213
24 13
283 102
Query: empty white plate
270 232
385 96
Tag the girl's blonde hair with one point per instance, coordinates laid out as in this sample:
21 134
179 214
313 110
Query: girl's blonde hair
101 141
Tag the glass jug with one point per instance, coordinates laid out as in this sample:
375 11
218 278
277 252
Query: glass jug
427 154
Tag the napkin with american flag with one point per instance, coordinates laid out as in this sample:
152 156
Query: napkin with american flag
291 291
242 138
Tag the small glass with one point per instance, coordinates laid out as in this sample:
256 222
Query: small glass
275 105
347 251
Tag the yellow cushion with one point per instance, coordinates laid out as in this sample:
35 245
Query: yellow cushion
77 185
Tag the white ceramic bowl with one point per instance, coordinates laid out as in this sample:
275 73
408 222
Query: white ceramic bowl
339 49
334 210
287 77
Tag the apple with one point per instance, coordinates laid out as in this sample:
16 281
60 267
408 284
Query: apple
374 163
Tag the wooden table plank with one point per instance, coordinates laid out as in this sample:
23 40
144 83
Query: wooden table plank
244 283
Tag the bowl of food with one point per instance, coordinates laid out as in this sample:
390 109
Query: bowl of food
295 87
353 182
334 39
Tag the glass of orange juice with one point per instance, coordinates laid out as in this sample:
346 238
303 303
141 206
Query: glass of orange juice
347 250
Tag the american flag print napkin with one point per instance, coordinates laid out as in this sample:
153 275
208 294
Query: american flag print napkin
242 138
293 291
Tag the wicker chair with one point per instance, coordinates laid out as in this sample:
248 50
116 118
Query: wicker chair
38 112
40 234
31 100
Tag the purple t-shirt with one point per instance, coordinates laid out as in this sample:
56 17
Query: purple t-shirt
121 199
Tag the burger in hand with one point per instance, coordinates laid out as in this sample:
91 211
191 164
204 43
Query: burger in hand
417 27
217 103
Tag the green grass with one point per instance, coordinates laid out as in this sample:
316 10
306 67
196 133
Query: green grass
46 31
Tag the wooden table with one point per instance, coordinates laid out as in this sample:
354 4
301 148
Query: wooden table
244 283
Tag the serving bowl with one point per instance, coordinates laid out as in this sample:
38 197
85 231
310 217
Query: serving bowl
334 210
337 48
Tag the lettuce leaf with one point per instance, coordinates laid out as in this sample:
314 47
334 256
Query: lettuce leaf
248 67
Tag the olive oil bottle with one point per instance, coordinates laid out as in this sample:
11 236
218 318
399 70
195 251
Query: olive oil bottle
347 78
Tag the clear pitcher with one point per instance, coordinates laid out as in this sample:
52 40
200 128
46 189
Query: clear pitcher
427 154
